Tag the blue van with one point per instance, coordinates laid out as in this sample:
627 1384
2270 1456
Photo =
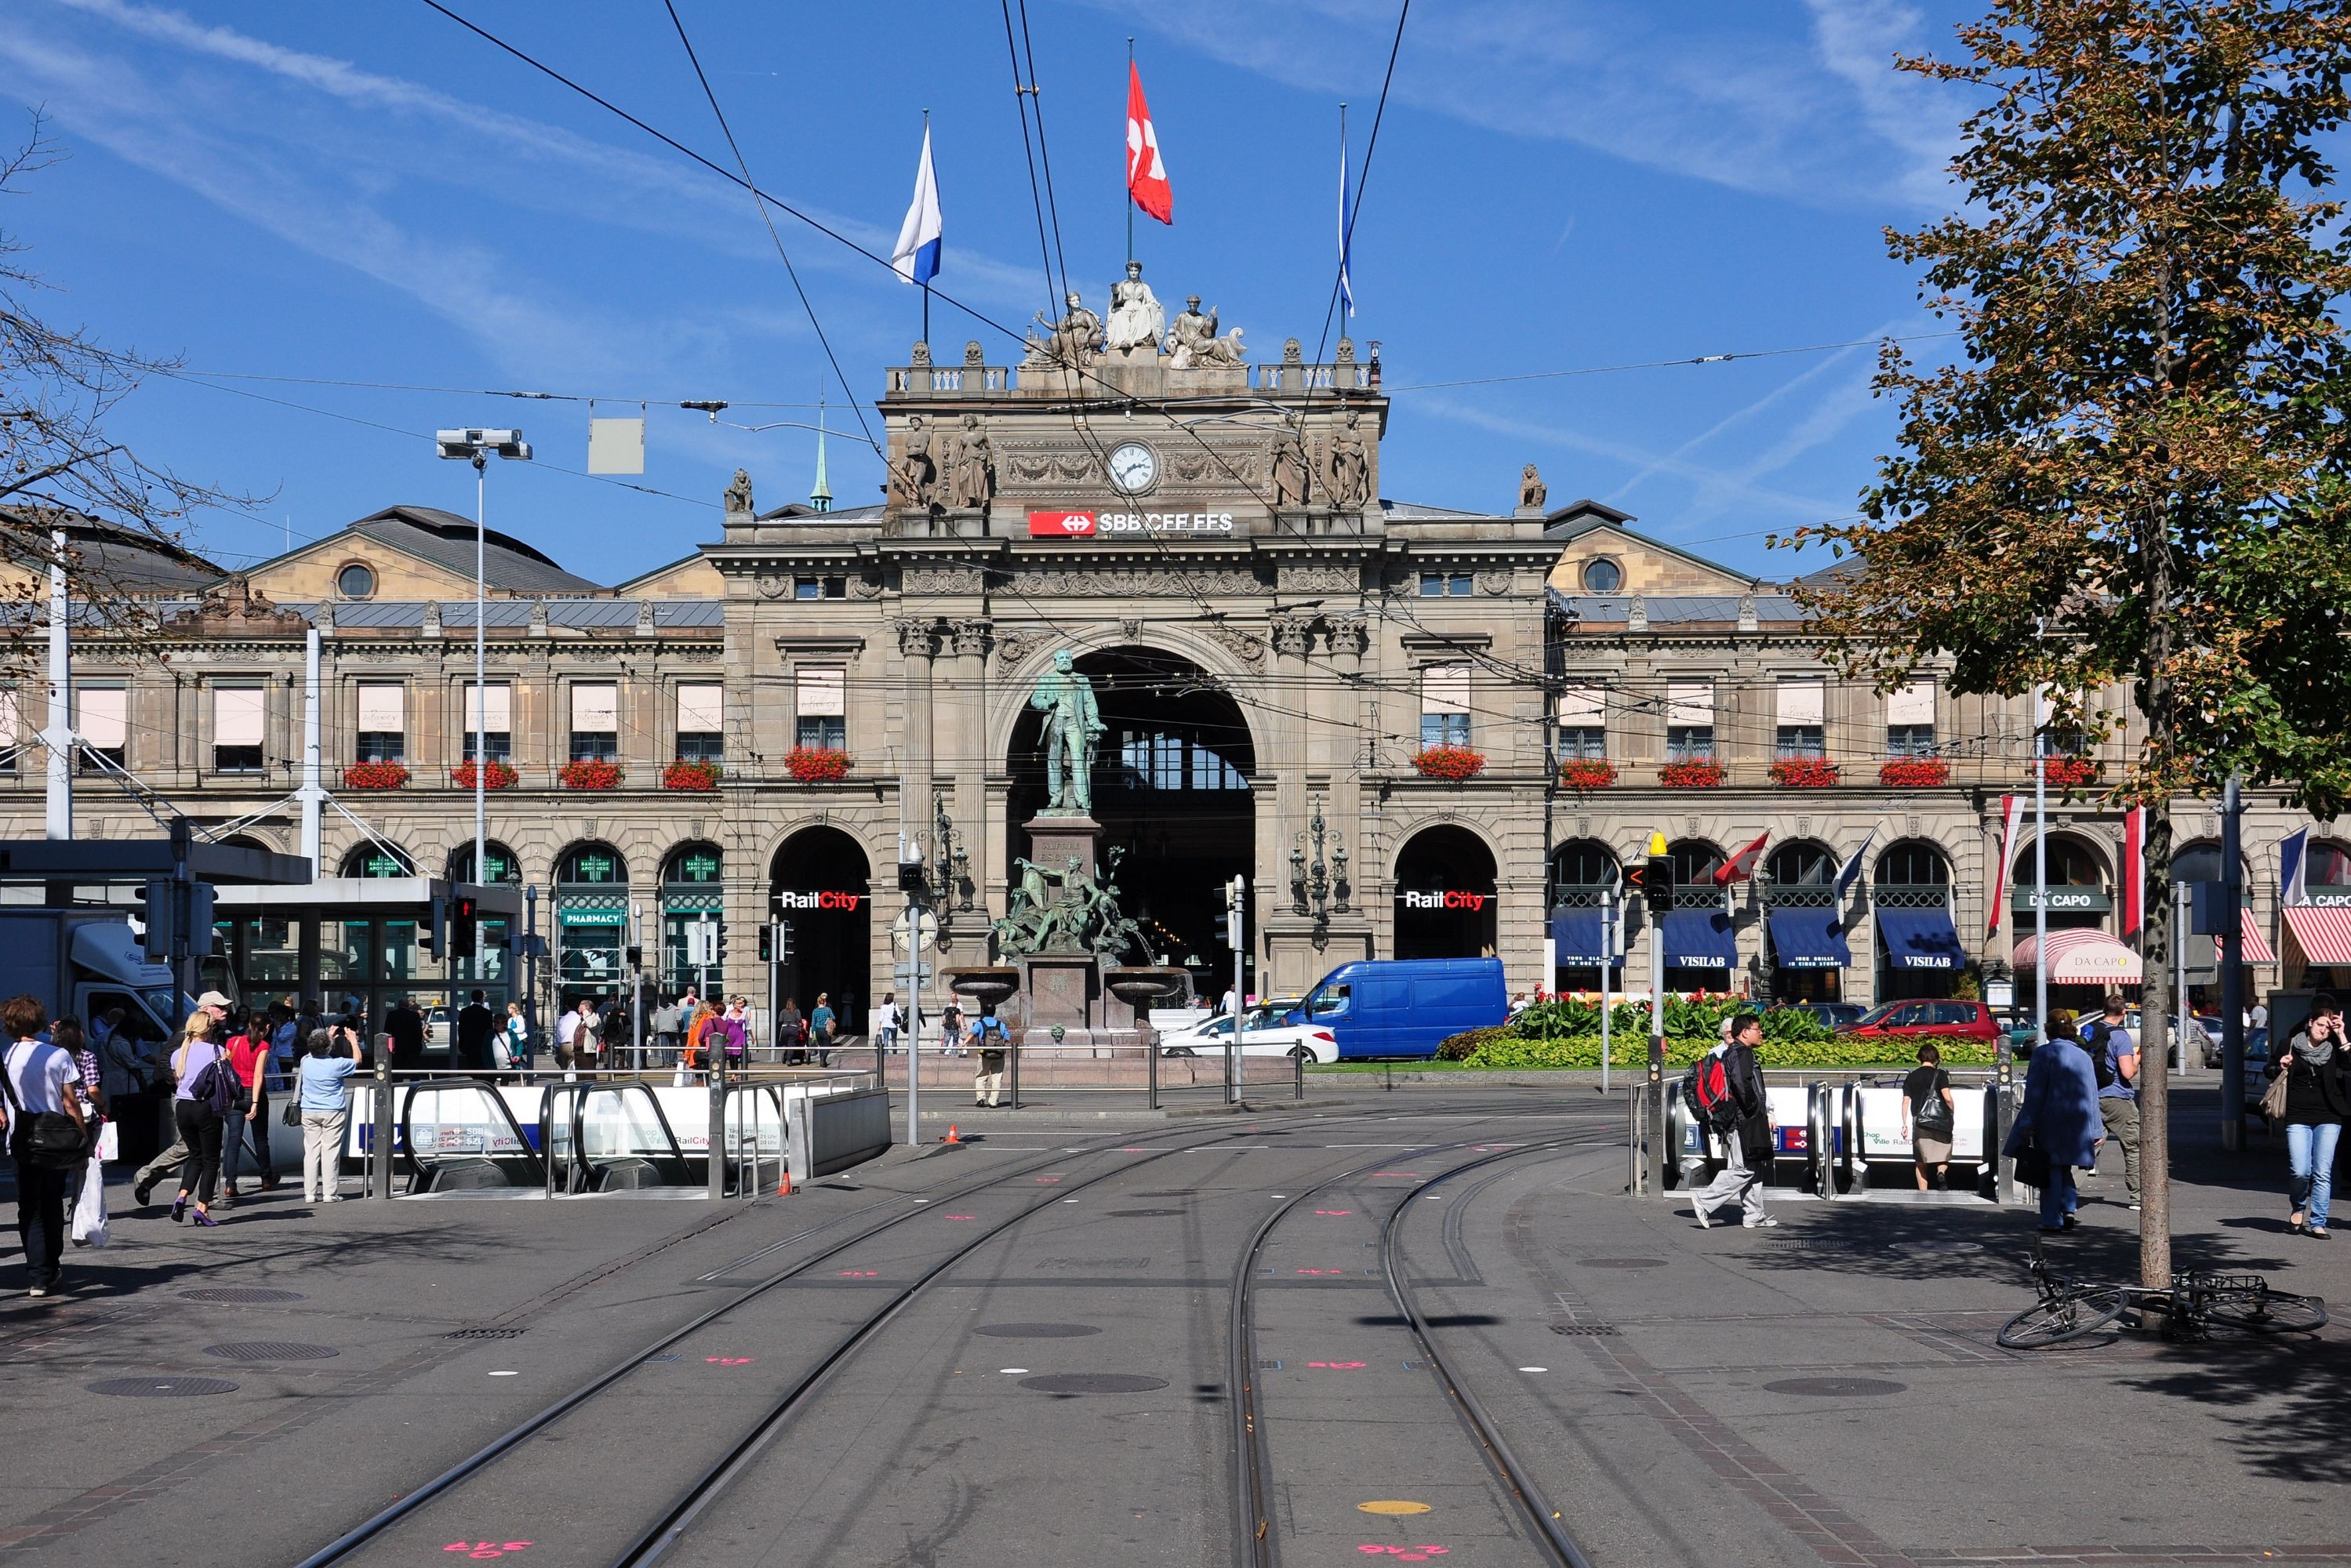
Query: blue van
1403 1006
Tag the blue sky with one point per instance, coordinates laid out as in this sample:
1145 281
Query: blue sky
368 194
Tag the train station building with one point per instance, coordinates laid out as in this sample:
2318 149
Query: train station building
1414 730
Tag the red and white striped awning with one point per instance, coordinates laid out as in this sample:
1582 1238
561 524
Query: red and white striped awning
2257 946
2081 958
2323 935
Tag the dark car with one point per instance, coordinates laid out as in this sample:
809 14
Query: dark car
1834 1015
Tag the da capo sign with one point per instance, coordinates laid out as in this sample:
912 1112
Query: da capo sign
1125 524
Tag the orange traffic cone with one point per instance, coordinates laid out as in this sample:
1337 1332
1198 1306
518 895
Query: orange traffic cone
951 1137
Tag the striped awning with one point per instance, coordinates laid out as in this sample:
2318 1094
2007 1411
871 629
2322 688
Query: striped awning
2257 946
2081 958
2324 934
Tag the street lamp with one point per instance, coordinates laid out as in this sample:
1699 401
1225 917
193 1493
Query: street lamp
476 447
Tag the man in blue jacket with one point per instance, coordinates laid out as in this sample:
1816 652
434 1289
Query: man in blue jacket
2060 1116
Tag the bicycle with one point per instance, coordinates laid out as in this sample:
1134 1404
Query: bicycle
2195 1302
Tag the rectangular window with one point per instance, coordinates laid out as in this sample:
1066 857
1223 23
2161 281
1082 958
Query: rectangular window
1911 721
489 714
1804 709
701 721
1444 585
820 707
238 715
383 722
819 587
1445 705
102 719
595 721
1582 724
1689 721
12 728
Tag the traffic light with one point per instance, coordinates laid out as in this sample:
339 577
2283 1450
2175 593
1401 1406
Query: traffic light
767 943
463 927
430 937
162 920
718 944
1657 879
636 956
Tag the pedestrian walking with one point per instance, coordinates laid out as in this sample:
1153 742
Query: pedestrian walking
2058 1121
731 1032
67 1035
789 1031
49 1136
127 1076
1747 1145
2113 1062
248 1055
664 1027
324 1085
588 1039
567 1038
406 1025
516 1033
2316 1071
885 1022
990 1040
1930 1117
202 1104
950 1034
820 1027
475 1027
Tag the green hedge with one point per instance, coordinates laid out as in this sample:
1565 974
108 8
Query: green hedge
1698 1020
1500 1048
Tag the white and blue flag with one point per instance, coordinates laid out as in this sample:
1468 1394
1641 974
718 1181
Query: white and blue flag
1346 284
916 259
2294 872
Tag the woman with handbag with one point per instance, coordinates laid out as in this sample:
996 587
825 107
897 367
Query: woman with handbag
1930 1117
2310 1093
323 1096
201 1106
49 1136
2058 1121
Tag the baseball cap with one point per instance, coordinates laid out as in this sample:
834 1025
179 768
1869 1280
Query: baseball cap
214 999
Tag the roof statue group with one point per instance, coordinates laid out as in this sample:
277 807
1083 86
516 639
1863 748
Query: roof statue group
1138 325
962 476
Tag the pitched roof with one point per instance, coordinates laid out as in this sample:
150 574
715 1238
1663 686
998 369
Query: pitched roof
446 540
116 557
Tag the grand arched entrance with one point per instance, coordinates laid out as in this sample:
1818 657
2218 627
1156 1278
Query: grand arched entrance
821 890
1446 903
1171 788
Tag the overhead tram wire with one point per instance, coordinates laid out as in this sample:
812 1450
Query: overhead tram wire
1036 103
847 393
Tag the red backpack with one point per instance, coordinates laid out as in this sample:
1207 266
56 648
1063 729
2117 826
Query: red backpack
1706 1090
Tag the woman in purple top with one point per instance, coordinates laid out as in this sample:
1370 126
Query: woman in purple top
199 1125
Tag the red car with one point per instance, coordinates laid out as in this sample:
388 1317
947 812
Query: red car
1929 1021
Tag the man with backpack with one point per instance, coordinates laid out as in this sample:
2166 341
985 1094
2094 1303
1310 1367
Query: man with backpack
1725 1092
2114 1059
990 1037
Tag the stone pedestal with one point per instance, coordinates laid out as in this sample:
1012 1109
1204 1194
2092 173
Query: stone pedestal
1063 989
1053 840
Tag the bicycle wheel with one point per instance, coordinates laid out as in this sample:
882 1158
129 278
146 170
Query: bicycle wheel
2069 1314
2269 1311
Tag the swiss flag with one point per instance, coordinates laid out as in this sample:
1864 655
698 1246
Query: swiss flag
1741 866
1146 173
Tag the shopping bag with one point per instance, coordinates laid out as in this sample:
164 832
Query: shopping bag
109 1142
89 1208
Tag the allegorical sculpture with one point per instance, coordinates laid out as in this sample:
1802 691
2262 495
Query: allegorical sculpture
1073 725
1350 469
914 478
1531 490
1293 476
1136 321
738 496
971 480
1074 341
1065 911
1192 341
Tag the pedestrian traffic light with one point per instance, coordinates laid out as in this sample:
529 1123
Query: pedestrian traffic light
767 943
636 956
718 944
1657 879
430 934
463 927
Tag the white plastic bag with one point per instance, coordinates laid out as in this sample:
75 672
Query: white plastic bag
89 1208
110 1140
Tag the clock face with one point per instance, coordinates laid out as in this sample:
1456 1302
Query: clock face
1134 467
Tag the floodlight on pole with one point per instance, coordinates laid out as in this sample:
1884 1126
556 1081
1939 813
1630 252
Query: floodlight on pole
477 447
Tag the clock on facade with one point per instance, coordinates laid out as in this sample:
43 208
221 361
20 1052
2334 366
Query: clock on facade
1134 467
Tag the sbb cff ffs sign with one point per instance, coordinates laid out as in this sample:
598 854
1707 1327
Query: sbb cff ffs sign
1060 525
827 899
1448 900
1107 524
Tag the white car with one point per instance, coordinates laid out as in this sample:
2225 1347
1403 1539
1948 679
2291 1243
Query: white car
1263 1037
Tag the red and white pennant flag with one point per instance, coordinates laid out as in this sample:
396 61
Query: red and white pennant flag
1146 173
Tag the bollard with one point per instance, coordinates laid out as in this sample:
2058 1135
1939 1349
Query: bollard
1298 1077
717 1080
1015 1063
381 1153
1151 1063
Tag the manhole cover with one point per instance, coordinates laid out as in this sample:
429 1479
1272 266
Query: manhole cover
1583 1328
1093 1383
1037 1331
160 1387
487 1334
1939 1244
1623 1263
1143 1213
272 1350
1835 1387
1798 1242
239 1294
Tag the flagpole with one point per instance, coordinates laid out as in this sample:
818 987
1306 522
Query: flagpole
1346 284
1130 192
926 282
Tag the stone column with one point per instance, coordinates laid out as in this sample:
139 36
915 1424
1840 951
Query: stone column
969 690
918 646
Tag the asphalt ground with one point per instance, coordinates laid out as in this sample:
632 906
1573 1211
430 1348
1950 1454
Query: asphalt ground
1056 1382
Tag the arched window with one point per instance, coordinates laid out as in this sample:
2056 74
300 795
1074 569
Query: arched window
2072 863
2330 864
503 867
591 864
1579 869
1913 864
1801 865
373 860
1695 862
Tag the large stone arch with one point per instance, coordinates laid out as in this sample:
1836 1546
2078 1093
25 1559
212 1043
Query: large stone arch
1015 678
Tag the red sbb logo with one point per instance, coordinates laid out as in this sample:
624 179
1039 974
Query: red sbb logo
1446 900
1060 525
828 899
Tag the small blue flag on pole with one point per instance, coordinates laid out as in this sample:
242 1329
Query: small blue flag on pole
916 259
1346 285
2293 868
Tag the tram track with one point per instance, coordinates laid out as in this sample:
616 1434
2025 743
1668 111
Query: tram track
715 1478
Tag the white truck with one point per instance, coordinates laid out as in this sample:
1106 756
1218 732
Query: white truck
87 963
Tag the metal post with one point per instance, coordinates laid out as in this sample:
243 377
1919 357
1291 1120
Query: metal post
1241 945
59 735
1151 1059
2180 1011
1607 955
1013 1054
915 1008
481 692
1297 1076
383 1151
2040 871
313 792
2232 971
531 965
717 1079
1657 1086
637 985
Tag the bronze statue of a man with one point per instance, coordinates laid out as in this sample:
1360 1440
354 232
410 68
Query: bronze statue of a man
1072 726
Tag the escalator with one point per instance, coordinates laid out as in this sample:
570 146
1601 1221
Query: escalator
610 1138
460 1137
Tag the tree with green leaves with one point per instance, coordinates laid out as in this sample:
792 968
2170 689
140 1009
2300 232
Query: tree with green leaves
2137 472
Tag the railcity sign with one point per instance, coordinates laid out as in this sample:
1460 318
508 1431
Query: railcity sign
1448 899
825 899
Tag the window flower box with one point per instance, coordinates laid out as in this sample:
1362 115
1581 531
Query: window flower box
590 775
1454 763
1804 773
1699 773
375 776
501 776
817 764
2068 772
1586 773
1915 773
685 774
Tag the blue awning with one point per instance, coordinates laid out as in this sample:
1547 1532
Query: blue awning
1576 938
1808 940
1699 939
1920 939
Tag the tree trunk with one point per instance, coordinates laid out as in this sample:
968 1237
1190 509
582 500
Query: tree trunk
2154 1054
